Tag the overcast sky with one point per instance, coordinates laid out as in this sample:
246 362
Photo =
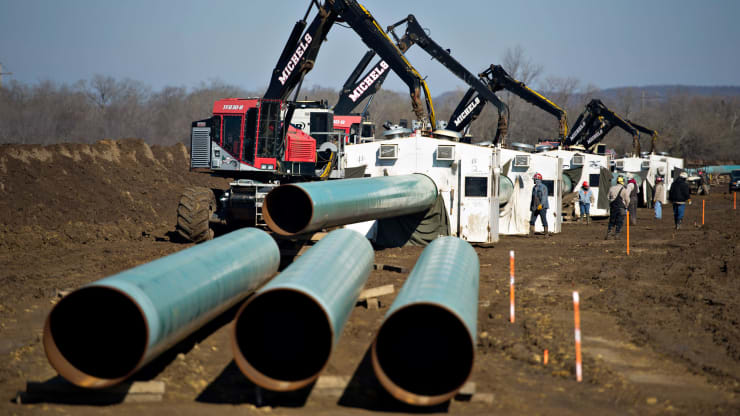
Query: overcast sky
185 42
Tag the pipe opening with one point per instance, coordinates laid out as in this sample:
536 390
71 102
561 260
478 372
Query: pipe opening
284 335
99 331
287 209
424 350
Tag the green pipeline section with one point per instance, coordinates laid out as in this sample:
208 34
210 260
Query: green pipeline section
505 189
303 207
424 351
283 336
567 184
103 332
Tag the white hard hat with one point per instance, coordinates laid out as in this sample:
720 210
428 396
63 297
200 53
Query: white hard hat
684 175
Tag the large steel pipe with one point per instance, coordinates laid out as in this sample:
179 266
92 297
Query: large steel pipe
100 334
424 350
283 335
505 189
299 208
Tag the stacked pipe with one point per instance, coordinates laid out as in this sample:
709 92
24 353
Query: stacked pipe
283 336
102 333
424 351
300 208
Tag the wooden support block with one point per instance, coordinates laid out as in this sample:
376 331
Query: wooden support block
397 269
142 398
390 268
331 386
466 392
375 292
468 389
485 398
147 387
373 303
332 382
318 236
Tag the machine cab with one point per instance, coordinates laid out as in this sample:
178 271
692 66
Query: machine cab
354 129
315 119
246 135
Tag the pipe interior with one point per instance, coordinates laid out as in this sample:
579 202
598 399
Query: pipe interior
425 350
100 331
289 208
284 335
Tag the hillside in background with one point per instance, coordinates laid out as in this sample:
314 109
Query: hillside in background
664 92
695 122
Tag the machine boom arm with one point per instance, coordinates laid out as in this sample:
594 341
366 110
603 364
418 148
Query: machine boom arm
653 134
357 88
365 25
498 79
299 53
595 123
418 35
466 111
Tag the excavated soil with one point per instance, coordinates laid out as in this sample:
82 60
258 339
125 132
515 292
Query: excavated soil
660 325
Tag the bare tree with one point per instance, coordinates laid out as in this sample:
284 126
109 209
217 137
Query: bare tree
522 68
561 90
626 99
519 66
102 90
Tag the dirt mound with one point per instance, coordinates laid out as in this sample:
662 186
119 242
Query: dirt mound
110 190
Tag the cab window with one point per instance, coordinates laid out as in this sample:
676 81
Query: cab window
270 136
232 128
250 136
368 130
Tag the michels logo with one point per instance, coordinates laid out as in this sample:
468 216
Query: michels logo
467 111
595 136
233 106
575 132
295 58
368 81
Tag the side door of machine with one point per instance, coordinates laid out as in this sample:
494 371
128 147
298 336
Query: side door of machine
475 201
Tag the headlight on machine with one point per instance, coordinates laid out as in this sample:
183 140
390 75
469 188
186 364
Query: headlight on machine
267 167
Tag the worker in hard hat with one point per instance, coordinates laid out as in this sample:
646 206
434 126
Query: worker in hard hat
538 205
679 195
585 199
703 184
632 205
659 197
618 201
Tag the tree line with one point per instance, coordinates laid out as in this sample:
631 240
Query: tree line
697 127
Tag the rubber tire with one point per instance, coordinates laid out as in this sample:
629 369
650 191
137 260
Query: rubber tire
194 214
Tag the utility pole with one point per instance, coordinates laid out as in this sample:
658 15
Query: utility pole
3 73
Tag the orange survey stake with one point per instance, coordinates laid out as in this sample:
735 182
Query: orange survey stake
511 286
628 233
577 322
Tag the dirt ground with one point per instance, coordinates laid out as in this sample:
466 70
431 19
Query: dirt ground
660 326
